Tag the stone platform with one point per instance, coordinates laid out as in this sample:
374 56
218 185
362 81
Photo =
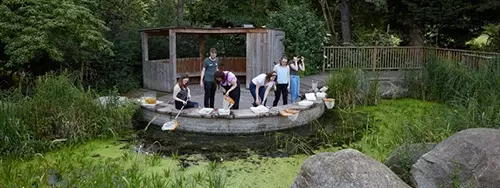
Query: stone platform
242 121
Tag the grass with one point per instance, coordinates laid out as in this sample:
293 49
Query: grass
396 122
56 110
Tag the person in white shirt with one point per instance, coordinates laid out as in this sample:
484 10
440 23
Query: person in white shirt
296 65
282 81
261 85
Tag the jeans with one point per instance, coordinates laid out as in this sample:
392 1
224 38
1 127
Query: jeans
281 90
235 95
261 91
294 87
210 88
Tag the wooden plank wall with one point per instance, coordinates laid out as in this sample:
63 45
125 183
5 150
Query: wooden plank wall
191 65
276 48
155 74
263 49
256 55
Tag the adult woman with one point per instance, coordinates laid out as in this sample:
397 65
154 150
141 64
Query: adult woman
296 65
282 81
231 86
182 94
261 85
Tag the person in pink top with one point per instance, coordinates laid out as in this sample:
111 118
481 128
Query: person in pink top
231 86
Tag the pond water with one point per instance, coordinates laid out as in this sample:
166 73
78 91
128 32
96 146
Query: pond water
264 160
301 140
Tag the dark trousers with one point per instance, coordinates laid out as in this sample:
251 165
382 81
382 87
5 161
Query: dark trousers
189 104
209 87
235 95
281 89
261 91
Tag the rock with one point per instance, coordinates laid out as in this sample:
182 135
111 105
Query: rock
120 101
401 159
391 89
470 158
346 168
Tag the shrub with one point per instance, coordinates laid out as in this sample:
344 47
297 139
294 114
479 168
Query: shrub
305 33
58 110
351 87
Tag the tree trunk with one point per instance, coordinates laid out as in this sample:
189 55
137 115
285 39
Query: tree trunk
416 36
329 21
180 12
345 20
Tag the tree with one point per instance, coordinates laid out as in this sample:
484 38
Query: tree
447 23
59 30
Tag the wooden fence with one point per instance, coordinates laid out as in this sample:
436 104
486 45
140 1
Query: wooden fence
192 66
395 58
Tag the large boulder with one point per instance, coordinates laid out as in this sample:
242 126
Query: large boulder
469 158
347 168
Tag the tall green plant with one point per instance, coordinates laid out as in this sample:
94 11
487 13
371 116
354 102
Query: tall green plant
59 110
473 93
351 87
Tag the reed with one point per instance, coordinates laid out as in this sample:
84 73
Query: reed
57 111
351 87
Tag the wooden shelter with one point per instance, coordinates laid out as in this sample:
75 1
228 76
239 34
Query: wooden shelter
263 48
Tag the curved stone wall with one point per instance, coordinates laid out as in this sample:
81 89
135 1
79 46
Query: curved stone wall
242 121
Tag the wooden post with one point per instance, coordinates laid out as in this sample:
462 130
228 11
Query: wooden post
324 59
145 50
145 59
202 50
249 59
374 59
171 79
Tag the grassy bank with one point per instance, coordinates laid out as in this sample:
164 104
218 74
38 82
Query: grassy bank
55 110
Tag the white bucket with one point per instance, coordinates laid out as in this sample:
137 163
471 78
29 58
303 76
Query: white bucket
320 95
290 116
329 103
293 117
314 85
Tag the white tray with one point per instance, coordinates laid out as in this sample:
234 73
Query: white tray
259 109
224 112
305 103
206 111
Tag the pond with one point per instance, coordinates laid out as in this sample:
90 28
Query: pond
173 159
